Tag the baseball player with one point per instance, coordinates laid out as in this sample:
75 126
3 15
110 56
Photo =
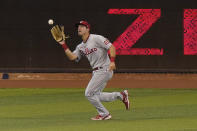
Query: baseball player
95 49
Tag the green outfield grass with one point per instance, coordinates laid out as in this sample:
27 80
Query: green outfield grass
67 109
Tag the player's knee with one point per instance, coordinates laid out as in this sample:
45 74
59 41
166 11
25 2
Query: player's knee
87 94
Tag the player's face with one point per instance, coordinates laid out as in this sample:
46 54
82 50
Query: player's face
82 30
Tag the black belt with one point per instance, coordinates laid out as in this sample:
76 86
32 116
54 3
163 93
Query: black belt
97 68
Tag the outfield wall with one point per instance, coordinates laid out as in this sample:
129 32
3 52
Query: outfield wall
160 35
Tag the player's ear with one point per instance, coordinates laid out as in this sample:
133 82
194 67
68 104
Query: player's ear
88 29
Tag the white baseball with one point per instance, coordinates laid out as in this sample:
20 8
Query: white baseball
50 21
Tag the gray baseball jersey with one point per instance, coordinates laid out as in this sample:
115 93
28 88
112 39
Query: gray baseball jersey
95 49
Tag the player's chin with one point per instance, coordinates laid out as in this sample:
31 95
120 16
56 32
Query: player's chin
79 34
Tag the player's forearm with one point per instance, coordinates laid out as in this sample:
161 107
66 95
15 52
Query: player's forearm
112 51
68 52
70 55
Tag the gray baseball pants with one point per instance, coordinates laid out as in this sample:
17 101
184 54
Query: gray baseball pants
95 87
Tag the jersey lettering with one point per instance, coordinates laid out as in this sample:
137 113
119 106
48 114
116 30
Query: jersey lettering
88 51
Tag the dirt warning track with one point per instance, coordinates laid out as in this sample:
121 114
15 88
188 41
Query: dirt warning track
80 80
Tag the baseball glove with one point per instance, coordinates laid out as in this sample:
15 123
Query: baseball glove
58 33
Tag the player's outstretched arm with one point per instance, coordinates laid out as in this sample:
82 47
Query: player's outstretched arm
70 55
58 34
112 51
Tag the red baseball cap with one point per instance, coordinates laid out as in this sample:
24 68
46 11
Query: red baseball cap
85 23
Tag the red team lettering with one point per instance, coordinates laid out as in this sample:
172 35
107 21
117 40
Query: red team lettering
190 31
88 51
147 17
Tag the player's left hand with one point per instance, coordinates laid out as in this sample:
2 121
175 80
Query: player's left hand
112 66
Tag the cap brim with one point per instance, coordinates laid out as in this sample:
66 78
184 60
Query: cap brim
77 24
